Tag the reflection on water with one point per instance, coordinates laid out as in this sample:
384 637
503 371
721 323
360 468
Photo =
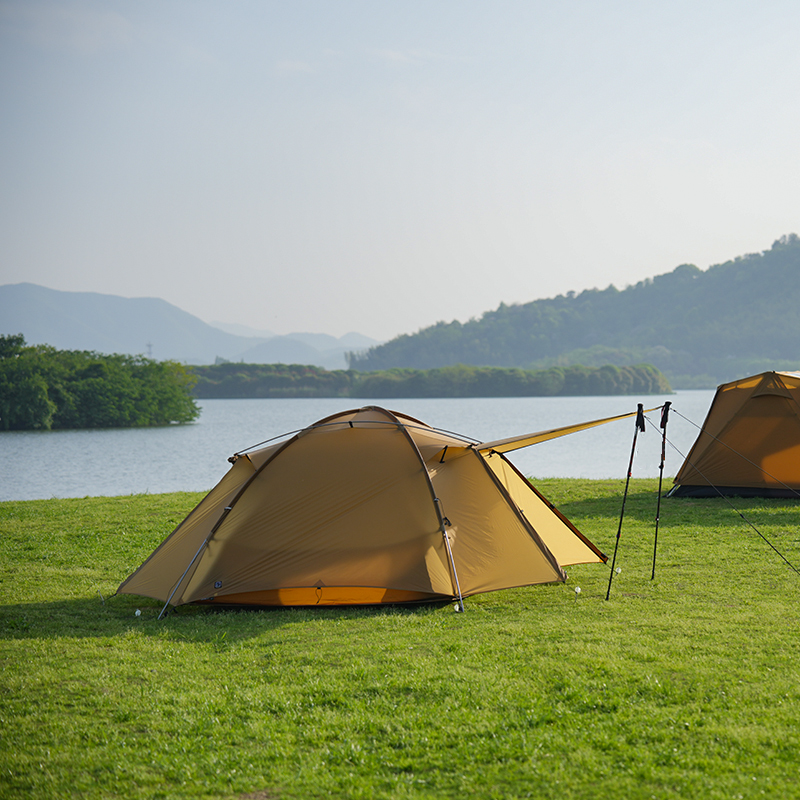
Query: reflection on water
193 457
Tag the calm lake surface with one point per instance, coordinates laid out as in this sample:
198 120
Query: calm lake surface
37 465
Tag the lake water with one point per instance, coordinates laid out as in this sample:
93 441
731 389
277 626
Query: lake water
36 465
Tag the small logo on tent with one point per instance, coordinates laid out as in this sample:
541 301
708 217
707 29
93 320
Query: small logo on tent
217 584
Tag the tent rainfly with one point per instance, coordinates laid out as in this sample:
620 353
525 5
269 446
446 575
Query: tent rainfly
364 507
750 441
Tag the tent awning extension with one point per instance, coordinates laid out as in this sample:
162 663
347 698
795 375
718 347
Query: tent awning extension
527 439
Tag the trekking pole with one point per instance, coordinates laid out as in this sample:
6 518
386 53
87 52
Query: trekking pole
664 420
639 427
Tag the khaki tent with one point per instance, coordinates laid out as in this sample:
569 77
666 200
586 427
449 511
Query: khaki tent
750 442
366 506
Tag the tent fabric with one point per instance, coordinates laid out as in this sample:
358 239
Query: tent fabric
354 510
749 443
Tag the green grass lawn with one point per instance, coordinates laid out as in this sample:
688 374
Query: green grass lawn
686 686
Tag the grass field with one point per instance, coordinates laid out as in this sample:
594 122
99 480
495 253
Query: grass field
682 687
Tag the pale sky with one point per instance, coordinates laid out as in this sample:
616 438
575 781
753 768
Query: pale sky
379 166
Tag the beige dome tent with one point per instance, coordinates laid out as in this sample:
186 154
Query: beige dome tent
366 506
750 441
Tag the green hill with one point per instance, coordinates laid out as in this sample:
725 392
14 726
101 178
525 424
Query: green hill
698 327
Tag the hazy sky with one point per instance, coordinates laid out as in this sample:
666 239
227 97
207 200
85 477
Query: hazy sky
379 166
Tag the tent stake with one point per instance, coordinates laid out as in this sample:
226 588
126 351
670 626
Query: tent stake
664 420
639 427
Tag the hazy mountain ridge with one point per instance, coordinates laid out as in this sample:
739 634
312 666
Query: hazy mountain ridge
319 341
698 327
153 327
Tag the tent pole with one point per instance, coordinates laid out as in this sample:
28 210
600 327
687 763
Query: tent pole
180 580
443 522
639 427
225 513
664 420
453 567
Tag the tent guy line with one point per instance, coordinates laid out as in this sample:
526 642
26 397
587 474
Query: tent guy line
724 496
641 419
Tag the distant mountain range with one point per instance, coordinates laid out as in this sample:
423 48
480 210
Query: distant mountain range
155 328
699 327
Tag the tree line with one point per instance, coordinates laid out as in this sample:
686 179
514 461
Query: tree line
42 388
296 380
232 380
